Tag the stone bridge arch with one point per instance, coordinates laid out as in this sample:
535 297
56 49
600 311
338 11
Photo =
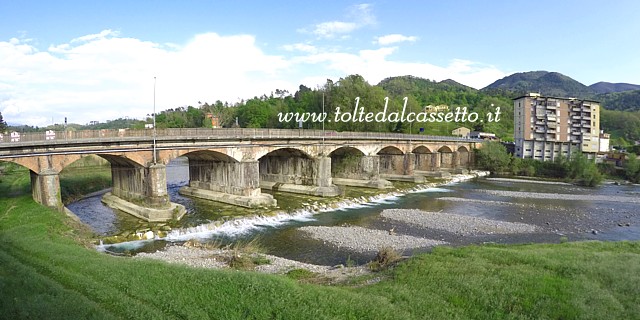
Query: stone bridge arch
426 159
296 170
216 175
350 166
447 157
166 156
393 161
346 162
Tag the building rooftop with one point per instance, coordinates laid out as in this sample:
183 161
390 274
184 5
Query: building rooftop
537 95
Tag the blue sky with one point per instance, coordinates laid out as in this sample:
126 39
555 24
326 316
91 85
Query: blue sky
95 60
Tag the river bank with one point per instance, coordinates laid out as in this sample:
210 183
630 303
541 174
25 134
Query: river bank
50 274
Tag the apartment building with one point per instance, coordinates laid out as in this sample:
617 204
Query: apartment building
549 127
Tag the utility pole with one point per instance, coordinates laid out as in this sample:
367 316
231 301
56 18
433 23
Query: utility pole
323 118
155 161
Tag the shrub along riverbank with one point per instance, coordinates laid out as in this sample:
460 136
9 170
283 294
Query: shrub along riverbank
493 156
50 271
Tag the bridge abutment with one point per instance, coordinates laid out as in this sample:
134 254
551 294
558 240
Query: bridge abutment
45 189
234 183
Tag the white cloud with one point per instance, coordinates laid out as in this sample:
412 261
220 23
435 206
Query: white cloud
102 35
358 16
394 38
103 76
303 47
375 65
108 76
331 28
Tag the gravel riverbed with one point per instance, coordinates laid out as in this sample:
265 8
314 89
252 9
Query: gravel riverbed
487 202
562 196
455 223
530 181
217 259
361 239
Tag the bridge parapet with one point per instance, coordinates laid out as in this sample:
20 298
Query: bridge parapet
61 137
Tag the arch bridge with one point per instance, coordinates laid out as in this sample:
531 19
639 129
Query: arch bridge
232 165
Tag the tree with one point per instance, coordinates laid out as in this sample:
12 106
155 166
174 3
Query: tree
584 171
493 156
3 124
632 168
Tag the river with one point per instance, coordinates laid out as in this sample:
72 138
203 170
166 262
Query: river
609 212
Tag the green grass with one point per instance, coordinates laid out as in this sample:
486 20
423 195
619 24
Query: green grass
47 272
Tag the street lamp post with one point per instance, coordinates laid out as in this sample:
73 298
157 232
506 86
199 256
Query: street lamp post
154 121
323 117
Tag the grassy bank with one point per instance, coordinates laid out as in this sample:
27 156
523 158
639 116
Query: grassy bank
47 272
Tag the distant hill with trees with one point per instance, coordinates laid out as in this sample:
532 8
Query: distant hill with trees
608 87
546 83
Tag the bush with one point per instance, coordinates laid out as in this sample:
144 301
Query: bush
632 168
493 156
300 274
385 258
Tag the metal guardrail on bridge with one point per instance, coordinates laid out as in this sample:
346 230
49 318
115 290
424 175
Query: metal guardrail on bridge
16 138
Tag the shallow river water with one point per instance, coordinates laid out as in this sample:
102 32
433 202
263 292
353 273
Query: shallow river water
609 212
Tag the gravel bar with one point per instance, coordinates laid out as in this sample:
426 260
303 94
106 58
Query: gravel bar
487 202
194 257
455 223
529 181
367 240
215 259
562 196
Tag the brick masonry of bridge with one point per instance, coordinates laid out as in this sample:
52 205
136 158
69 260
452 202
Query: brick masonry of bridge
234 167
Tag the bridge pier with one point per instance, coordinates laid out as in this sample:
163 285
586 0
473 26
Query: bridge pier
234 183
425 161
297 174
448 160
358 171
142 192
399 167
45 189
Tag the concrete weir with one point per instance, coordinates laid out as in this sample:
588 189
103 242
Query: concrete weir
375 184
327 191
173 212
260 200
